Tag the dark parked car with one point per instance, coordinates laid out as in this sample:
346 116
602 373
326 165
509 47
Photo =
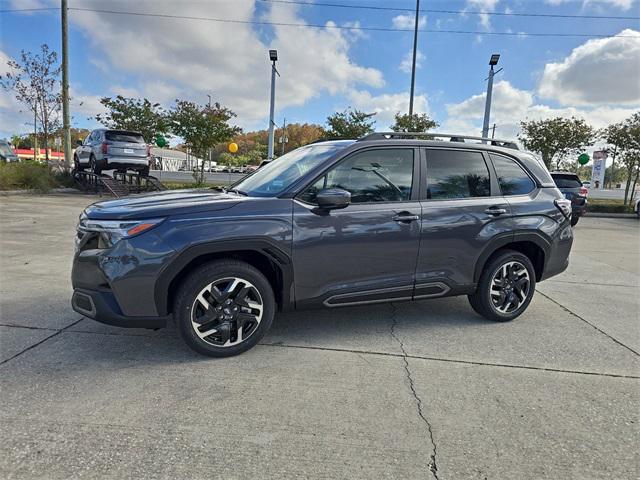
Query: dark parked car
120 150
572 188
387 218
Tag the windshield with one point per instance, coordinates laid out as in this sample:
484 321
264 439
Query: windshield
278 175
5 150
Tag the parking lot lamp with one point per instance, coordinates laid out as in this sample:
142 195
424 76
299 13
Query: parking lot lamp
493 61
273 56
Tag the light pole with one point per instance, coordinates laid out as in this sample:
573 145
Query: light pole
493 61
273 56
66 122
413 64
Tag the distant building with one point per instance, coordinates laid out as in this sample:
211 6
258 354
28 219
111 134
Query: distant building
173 160
27 154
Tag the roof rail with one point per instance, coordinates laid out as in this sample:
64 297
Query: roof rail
436 136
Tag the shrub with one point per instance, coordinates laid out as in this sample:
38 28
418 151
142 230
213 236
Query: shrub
25 175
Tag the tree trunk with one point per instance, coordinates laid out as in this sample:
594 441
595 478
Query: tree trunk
628 184
635 182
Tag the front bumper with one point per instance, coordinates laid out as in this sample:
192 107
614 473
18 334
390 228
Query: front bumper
103 307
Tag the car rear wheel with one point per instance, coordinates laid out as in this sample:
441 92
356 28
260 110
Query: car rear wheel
506 287
224 308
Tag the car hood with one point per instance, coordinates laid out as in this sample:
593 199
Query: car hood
153 205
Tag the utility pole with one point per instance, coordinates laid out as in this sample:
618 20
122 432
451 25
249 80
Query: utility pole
273 56
487 106
415 51
66 122
493 131
35 134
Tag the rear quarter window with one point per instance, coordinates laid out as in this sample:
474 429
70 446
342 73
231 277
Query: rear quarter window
123 136
512 178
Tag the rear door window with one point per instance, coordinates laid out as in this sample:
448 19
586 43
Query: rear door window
453 174
566 180
512 178
123 136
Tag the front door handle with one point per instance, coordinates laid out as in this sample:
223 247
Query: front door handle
495 211
405 217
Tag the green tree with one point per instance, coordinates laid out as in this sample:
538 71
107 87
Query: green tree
556 138
349 124
202 127
35 81
150 119
418 122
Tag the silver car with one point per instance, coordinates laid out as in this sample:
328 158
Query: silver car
106 149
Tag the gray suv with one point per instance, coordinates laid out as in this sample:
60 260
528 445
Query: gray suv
387 218
120 150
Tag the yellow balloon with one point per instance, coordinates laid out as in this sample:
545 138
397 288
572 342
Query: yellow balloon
233 147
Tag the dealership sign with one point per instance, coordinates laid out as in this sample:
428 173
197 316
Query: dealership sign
598 168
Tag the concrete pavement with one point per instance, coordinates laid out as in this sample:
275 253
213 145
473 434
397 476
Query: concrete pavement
410 390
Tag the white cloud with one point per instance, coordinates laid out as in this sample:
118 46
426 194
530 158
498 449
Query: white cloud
511 105
621 4
408 21
229 61
387 105
601 71
486 6
407 61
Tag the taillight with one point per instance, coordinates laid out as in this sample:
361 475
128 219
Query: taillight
584 191
104 147
564 206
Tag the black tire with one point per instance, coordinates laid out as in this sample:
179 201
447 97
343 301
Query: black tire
482 300
202 278
95 168
574 220
77 166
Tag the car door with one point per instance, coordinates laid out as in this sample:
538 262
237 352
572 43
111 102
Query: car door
462 209
84 152
367 251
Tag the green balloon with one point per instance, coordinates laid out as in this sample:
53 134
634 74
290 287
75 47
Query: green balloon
161 141
583 159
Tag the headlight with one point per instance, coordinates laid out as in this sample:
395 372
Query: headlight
111 231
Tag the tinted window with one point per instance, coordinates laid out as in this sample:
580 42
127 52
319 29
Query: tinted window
566 180
453 174
279 174
122 136
512 178
372 176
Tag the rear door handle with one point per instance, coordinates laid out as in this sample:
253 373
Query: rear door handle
405 218
495 211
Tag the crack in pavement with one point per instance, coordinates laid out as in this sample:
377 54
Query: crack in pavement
57 332
570 312
432 462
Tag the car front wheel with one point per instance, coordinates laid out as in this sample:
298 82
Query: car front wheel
224 308
506 287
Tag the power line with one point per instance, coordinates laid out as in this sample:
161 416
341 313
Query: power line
345 27
451 12
39 9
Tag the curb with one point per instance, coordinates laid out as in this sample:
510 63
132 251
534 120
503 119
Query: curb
9 193
610 215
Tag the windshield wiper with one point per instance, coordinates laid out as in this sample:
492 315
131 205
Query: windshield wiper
239 192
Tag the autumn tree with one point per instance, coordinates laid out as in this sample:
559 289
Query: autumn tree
35 81
201 127
556 138
417 123
138 115
349 124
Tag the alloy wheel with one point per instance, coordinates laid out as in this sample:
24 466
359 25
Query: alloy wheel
510 287
227 312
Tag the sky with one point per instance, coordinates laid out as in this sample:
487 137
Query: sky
327 69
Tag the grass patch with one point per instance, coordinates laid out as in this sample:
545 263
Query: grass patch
31 176
613 205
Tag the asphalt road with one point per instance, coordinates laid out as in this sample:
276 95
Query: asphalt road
402 391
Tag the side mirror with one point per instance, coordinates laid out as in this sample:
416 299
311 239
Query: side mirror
333 198
79 143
